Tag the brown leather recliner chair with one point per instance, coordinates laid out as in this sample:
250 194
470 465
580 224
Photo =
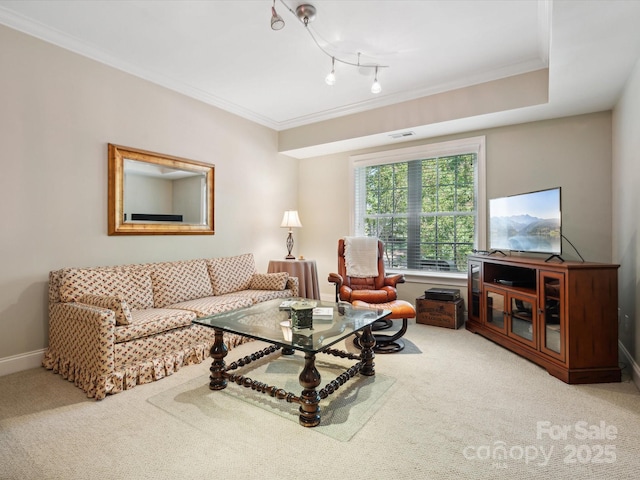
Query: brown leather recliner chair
379 291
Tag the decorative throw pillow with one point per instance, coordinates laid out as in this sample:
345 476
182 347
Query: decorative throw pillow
117 304
269 281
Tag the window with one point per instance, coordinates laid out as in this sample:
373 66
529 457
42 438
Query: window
423 203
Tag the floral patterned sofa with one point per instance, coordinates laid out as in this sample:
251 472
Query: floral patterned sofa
112 328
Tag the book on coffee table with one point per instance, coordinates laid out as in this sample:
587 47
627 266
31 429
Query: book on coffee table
286 305
323 313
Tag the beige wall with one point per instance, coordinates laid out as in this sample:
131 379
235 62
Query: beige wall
58 111
626 219
573 153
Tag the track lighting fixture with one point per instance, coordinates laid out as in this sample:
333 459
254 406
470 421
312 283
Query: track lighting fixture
376 88
276 20
306 13
331 77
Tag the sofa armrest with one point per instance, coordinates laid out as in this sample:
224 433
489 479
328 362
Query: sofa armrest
81 339
293 283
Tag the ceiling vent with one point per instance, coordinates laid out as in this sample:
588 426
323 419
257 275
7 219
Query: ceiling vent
402 134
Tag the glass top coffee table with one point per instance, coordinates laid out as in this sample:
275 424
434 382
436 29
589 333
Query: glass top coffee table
270 322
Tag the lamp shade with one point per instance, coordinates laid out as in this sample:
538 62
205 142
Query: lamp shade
291 219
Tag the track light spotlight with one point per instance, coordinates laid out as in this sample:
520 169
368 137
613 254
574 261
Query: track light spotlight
277 23
376 87
331 77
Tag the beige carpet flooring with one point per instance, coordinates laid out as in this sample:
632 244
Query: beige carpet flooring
457 407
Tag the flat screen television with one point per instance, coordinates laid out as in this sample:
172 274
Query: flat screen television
527 222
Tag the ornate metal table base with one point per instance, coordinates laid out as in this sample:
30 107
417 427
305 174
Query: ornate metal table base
309 378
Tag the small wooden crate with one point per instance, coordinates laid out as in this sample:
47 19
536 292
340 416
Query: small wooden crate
440 314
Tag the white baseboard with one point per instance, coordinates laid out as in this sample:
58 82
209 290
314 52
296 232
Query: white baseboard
634 368
23 361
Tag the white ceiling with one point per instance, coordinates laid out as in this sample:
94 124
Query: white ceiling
225 53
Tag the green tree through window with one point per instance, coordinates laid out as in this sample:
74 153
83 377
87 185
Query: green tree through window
424 210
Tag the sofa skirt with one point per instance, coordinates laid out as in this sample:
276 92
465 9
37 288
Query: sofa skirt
142 361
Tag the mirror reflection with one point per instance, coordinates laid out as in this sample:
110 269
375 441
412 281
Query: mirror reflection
163 194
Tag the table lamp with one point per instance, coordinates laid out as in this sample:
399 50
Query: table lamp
290 220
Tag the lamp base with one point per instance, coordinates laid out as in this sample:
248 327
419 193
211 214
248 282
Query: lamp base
290 246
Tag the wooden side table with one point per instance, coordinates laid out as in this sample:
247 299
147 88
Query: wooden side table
305 270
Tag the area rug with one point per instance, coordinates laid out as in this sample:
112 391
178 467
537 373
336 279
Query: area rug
343 413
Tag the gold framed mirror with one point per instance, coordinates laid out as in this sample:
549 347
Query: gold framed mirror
156 194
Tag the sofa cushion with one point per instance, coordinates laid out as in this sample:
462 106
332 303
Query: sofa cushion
203 307
175 282
131 284
269 281
115 303
231 274
145 323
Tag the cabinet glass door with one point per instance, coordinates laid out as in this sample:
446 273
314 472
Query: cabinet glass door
475 291
495 313
552 322
522 312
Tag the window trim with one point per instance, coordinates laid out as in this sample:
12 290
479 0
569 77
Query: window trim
440 149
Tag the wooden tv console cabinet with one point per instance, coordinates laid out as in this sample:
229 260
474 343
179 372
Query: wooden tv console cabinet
560 315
